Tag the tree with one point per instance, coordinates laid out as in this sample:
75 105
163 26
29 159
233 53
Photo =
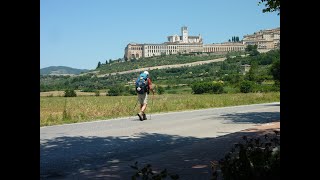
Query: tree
275 70
107 61
229 40
252 50
252 74
271 5
237 39
249 48
99 64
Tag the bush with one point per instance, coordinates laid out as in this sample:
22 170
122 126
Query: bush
277 85
201 87
160 90
146 173
253 159
207 87
70 93
132 91
265 88
121 91
217 87
246 86
114 91
97 93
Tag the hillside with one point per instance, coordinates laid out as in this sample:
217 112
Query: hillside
61 70
116 67
164 67
229 71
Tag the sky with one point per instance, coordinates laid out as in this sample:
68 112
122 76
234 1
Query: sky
80 33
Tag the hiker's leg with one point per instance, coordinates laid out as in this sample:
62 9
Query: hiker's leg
140 99
145 102
143 107
144 116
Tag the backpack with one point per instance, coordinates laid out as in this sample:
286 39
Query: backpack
142 84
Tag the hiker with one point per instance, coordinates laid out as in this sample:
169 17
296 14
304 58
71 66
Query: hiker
143 87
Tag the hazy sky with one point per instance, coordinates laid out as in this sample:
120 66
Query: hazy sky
80 33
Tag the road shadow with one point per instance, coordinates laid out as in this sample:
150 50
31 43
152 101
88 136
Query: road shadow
79 157
189 162
63 155
252 117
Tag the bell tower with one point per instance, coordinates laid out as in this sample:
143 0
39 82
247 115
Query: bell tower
184 32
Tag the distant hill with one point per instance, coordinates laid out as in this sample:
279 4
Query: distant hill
61 70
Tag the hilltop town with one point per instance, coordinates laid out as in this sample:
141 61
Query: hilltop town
265 40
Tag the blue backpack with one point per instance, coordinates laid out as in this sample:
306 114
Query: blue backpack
142 83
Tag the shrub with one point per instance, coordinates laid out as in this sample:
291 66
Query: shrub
119 90
160 90
277 85
217 87
132 91
246 86
97 93
253 159
265 88
114 91
207 87
146 173
201 87
70 93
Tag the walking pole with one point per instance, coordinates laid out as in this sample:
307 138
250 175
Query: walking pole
134 108
152 103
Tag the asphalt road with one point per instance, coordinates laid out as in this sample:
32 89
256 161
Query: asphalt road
68 151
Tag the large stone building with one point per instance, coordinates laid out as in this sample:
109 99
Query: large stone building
188 44
264 39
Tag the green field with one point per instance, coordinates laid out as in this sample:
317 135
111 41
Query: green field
61 110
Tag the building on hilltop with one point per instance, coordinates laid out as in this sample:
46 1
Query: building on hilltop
184 38
266 40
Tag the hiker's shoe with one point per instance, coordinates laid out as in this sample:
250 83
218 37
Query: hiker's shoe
140 116
144 116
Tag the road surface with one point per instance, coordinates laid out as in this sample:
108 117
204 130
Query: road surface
104 149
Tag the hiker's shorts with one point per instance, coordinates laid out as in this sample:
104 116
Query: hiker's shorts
143 98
